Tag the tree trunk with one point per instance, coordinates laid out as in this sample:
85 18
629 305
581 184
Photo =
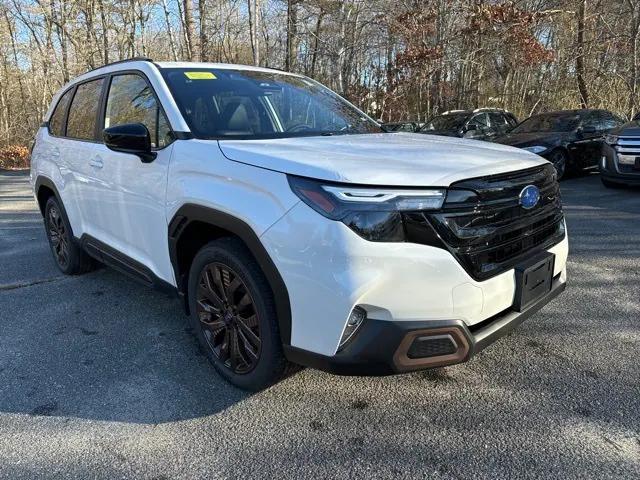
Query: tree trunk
292 34
582 86
254 20
172 43
204 41
189 29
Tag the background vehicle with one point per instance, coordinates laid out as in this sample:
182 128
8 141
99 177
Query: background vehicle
570 139
480 124
620 162
293 227
402 127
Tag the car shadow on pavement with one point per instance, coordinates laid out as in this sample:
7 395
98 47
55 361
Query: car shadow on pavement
102 347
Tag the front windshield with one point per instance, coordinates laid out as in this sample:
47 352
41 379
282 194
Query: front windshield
446 123
247 104
555 122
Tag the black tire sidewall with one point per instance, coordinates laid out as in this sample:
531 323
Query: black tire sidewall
271 364
74 252
560 154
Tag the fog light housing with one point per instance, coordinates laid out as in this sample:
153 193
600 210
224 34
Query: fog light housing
356 319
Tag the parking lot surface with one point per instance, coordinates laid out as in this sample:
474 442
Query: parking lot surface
101 378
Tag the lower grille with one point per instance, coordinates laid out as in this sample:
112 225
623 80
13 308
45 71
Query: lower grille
484 226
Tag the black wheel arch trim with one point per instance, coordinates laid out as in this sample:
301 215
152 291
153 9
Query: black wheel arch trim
42 181
189 213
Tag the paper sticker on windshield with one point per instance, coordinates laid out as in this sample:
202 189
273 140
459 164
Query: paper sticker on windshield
200 75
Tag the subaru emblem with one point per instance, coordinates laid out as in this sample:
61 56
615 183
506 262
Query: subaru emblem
529 196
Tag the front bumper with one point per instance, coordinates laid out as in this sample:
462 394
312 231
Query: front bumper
611 171
381 347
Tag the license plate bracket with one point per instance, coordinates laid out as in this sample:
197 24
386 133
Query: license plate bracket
534 279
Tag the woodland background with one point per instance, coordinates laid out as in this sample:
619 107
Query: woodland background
397 60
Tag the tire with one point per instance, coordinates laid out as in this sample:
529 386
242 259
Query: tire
560 161
232 305
610 184
68 255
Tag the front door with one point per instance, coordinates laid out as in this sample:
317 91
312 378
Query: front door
131 216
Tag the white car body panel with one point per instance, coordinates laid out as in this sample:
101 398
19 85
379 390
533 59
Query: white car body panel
395 159
333 269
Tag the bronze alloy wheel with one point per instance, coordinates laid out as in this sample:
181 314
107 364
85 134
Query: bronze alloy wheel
228 318
59 237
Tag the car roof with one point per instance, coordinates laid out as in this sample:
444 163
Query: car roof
222 66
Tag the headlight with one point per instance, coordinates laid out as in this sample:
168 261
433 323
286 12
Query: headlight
373 213
536 149
611 139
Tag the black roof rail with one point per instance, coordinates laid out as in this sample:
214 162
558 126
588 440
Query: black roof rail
132 59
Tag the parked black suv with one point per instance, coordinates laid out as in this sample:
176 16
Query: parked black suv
480 124
402 126
620 163
570 139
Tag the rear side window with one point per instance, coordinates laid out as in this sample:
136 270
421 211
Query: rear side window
131 100
56 122
84 111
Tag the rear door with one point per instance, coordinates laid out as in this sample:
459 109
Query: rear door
81 140
131 216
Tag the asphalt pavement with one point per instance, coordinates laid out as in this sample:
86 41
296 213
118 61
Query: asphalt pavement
101 378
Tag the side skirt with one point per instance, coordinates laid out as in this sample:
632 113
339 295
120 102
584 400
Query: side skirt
124 264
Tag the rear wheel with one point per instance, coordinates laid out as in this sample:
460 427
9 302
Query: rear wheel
234 316
559 160
69 257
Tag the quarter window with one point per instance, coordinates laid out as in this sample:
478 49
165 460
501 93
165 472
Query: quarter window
131 100
56 122
84 111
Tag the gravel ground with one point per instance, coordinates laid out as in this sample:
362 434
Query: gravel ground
101 378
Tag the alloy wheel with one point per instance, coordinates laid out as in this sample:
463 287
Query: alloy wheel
59 237
228 318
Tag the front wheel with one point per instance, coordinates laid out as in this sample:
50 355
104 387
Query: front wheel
234 316
559 160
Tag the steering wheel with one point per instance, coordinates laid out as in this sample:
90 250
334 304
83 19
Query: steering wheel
300 127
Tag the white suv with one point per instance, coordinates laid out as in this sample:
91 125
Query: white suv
292 226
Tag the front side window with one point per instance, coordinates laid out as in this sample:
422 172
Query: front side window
245 104
131 100
84 111
56 123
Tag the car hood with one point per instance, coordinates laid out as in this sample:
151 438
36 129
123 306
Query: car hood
548 139
631 129
444 133
393 159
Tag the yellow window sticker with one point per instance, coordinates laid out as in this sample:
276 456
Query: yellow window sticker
200 75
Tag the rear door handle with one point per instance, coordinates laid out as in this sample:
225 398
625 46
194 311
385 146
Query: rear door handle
96 162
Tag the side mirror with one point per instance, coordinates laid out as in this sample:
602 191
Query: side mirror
131 138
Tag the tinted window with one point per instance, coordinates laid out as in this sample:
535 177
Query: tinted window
131 100
253 104
609 121
498 119
481 121
448 122
84 111
56 122
549 122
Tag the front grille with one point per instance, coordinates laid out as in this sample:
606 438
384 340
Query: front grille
628 150
484 226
